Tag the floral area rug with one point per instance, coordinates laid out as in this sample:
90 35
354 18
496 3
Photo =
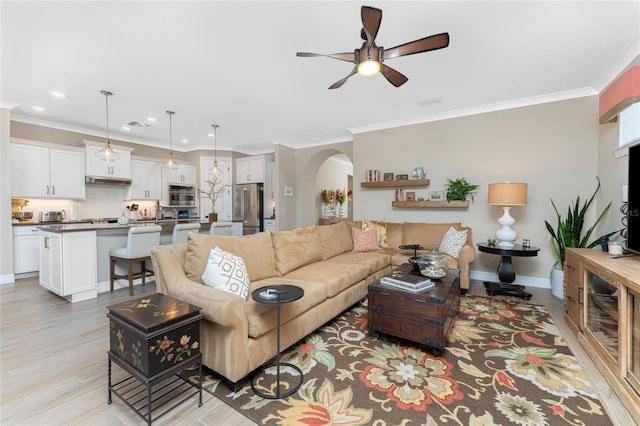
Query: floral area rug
505 363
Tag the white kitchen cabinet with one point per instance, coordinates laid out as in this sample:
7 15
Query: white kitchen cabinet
185 174
269 182
26 249
250 169
68 264
120 169
42 171
146 180
270 225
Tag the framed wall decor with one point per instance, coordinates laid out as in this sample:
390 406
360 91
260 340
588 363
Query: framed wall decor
388 176
410 196
436 195
402 177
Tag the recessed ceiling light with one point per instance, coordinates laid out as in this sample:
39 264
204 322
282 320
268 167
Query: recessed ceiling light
38 108
153 119
184 140
125 128
57 94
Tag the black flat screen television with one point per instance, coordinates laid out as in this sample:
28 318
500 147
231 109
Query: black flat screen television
633 197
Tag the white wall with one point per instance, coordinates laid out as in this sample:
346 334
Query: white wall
6 233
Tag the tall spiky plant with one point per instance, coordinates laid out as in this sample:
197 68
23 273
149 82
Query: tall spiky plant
569 231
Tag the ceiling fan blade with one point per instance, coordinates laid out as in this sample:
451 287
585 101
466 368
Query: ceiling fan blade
371 18
394 77
348 57
339 83
434 42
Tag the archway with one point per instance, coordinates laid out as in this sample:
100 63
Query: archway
335 173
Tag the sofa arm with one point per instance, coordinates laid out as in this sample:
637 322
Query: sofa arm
465 257
217 306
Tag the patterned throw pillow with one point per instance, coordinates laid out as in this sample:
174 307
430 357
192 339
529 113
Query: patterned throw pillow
226 272
452 242
381 230
365 240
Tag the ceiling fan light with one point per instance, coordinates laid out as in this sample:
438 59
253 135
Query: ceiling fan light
368 68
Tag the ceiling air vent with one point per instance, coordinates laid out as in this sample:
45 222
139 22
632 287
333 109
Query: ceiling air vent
138 124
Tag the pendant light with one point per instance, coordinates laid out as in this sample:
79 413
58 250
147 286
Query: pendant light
170 164
215 148
106 153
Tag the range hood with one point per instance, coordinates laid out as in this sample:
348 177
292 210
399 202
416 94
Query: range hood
101 180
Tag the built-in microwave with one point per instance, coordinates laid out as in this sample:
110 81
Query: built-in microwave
182 195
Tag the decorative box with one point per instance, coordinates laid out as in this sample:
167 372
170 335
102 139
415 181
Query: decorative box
154 333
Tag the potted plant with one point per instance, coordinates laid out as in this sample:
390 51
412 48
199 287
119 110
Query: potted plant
215 190
459 189
568 233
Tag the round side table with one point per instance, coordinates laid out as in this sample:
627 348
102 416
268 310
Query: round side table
506 271
277 295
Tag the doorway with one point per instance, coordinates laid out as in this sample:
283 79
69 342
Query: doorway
336 173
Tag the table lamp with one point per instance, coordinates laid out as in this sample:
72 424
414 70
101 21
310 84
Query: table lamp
506 195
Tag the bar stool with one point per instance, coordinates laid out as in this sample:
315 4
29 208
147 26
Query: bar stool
220 228
181 230
140 241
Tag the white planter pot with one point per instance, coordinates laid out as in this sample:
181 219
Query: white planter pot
557 282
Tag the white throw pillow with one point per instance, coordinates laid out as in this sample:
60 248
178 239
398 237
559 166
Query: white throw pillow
226 272
452 242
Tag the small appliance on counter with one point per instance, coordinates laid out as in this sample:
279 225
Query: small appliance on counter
17 210
52 216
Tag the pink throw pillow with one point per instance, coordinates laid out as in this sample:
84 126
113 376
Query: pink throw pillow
365 240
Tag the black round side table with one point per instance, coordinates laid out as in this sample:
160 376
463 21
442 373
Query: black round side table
506 271
277 295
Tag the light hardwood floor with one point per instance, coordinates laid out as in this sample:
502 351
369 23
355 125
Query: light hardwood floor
53 363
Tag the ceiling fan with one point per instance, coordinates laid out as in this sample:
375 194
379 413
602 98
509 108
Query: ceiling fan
369 58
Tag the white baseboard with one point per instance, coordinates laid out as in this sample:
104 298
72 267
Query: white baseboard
7 279
520 279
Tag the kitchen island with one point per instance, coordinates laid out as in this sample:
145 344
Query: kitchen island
74 257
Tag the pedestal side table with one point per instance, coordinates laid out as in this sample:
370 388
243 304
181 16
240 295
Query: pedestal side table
277 295
506 271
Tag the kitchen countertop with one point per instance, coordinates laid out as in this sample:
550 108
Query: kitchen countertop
79 226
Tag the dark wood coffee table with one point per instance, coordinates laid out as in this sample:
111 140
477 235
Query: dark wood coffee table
424 318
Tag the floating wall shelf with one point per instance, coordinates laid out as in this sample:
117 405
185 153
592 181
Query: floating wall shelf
395 183
431 204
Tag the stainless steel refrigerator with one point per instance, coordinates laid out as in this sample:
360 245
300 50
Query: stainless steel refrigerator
247 207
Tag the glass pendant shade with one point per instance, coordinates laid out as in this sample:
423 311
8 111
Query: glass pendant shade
170 163
107 153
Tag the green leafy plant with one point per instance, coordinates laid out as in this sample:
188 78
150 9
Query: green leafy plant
459 189
568 232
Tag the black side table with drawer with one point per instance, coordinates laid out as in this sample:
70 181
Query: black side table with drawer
154 338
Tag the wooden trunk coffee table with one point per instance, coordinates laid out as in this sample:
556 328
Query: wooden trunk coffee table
424 317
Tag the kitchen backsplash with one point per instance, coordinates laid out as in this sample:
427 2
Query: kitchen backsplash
101 201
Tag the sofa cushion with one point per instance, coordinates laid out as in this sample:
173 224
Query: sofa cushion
373 260
335 239
226 272
394 234
256 250
425 234
261 317
335 277
365 240
296 248
381 228
452 242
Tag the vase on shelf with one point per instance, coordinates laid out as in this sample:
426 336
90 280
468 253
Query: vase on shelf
341 210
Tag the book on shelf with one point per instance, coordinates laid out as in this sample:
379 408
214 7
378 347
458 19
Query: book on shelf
406 281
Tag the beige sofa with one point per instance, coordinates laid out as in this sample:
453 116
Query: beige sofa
237 335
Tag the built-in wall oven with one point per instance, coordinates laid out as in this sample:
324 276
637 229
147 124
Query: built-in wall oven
182 195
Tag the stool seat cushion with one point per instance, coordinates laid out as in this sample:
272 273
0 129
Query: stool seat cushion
120 252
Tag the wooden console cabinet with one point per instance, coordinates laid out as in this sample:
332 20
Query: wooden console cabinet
602 305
